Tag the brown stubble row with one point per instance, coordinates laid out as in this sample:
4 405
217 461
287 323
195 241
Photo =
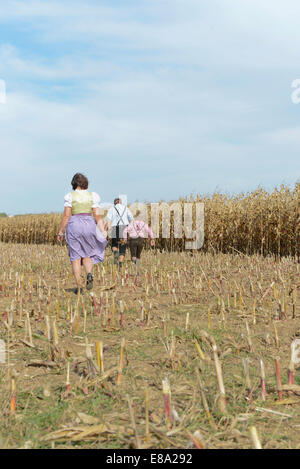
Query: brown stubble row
195 352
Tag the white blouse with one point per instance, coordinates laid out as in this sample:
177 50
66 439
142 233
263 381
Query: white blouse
68 199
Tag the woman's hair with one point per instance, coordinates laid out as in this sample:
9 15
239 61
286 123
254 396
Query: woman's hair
79 180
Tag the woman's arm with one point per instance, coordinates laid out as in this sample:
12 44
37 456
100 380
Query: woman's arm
99 221
64 222
97 215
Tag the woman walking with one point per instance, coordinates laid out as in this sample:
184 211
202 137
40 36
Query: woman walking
85 234
137 230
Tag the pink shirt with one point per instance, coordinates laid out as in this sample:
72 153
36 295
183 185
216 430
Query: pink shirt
138 229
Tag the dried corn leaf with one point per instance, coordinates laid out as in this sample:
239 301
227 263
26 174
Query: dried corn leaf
87 419
103 377
46 363
28 344
107 287
84 433
289 401
291 387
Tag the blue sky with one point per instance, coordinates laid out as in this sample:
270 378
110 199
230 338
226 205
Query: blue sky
155 99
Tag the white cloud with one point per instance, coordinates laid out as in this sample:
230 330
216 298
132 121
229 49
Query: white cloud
154 101
70 67
141 150
235 33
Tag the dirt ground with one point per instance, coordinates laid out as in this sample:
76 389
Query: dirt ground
54 394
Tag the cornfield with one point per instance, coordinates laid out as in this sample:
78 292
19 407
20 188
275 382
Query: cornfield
256 222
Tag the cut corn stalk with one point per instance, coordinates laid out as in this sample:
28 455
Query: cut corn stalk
147 436
197 439
263 380
13 399
131 413
167 400
248 381
204 401
121 362
278 380
254 437
219 374
249 339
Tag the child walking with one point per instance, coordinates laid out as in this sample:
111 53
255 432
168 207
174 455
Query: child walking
137 230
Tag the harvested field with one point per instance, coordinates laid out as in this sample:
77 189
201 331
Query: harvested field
184 316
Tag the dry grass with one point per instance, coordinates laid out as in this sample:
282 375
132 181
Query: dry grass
166 310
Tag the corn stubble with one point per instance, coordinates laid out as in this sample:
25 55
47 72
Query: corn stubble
198 351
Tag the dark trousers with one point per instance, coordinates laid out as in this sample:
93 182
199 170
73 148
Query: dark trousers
136 246
117 239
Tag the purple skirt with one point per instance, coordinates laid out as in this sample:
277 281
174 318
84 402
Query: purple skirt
84 238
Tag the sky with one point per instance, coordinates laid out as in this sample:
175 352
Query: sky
155 99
